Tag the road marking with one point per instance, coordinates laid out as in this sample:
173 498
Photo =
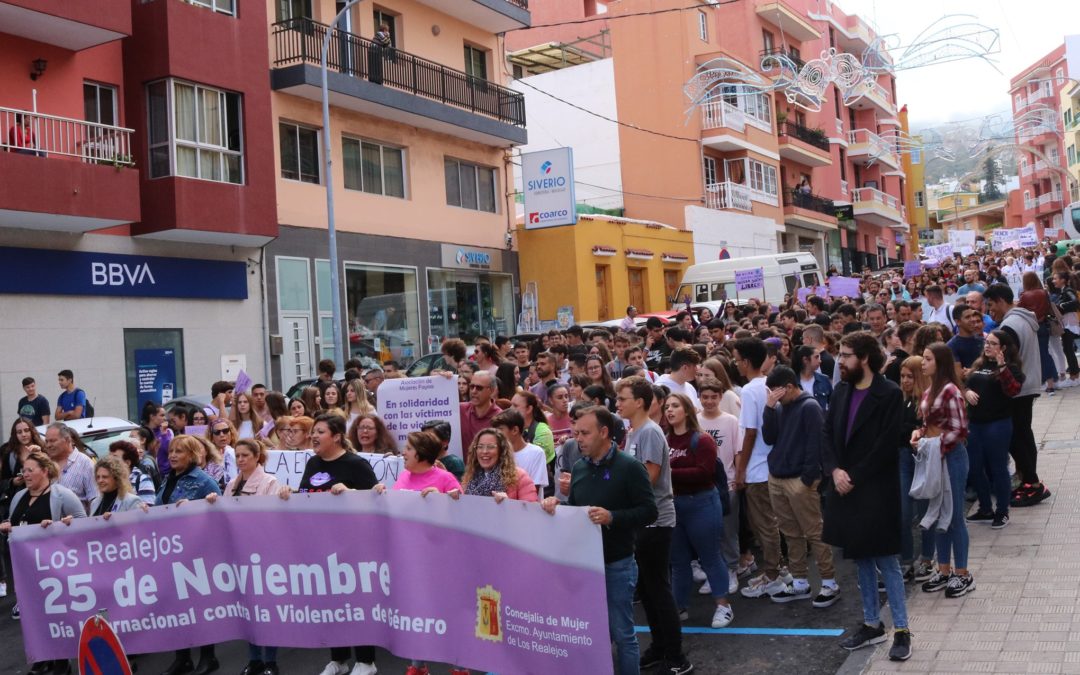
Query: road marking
787 632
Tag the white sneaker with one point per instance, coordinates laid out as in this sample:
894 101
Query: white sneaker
722 617
335 668
785 576
699 574
755 588
733 581
364 669
705 589
777 585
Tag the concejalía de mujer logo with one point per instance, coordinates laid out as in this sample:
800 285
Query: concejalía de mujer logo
488 610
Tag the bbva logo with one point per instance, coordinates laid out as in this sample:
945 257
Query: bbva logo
120 274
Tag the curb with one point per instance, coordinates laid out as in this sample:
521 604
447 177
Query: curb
858 660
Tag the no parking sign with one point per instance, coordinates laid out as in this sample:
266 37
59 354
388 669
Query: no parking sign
100 651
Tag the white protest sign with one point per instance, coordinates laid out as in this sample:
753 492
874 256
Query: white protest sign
288 466
406 403
1028 236
748 280
938 252
958 239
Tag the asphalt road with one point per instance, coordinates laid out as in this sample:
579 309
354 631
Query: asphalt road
712 652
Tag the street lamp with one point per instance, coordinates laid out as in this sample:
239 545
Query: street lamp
331 231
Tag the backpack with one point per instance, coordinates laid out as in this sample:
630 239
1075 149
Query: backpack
88 409
719 476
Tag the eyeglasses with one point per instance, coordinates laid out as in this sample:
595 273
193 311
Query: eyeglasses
221 432
477 387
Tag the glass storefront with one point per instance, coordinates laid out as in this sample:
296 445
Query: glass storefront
384 312
466 304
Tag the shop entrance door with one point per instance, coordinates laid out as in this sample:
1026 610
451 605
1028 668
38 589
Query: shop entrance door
636 278
296 354
671 286
603 304
455 305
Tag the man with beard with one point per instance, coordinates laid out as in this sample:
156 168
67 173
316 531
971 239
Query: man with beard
545 370
862 510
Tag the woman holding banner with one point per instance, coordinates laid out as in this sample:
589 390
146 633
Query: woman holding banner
491 471
336 468
186 481
252 480
115 492
223 435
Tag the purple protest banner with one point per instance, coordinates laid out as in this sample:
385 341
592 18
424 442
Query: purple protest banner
282 573
805 292
243 383
912 268
844 286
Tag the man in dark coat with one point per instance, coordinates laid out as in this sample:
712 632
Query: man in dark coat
862 508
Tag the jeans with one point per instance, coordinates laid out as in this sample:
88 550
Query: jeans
894 589
988 453
954 540
620 577
1068 344
653 557
1022 445
264 654
699 526
911 509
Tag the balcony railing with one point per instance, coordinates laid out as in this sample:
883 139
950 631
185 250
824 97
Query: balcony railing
51 136
840 127
811 202
814 137
879 147
300 41
523 4
873 195
776 51
1025 169
843 187
728 196
721 114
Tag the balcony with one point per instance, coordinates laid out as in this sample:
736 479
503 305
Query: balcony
728 197
873 148
876 207
804 145
1049 203
809 210
395 84
777 52
789 21
66 24
65 175
493 16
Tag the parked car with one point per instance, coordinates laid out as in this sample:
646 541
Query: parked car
425 364
98 432
199 401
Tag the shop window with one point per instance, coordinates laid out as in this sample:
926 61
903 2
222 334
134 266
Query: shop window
373 168
383 312
299 148
470 186
467 304
154 366
195 132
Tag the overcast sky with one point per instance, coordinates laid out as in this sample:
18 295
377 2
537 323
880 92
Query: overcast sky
1029 29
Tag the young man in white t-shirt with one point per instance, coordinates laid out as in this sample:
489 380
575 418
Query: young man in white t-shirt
724 429
526 455
752 469
684 361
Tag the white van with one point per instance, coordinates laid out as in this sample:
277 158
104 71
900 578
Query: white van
714 282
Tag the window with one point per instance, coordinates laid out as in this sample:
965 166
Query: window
1018 101
710 171
99 103
293 9
223 6
762 178
299 152
767 40
836 104
147 350
476 62
920 199
381 17
373 168
703 26
1072 154
470 186
916 155
195 132
1068 117
1059 76
383 303
843 164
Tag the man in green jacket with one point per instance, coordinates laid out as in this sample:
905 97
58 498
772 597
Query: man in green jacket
615 487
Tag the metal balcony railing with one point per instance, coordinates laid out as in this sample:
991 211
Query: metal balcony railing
811 202
523 4
776 51
728 196
300 41
32 133
814 137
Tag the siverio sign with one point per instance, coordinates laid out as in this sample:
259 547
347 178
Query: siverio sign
49 272
548 181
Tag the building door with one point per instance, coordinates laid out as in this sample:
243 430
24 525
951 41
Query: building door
296 350
603 293
636 277
671 286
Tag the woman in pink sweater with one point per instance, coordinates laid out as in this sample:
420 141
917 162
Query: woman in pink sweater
491 471
422 449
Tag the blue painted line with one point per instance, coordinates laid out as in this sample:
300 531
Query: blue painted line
786 632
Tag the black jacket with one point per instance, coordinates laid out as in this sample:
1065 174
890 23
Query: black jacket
794 432
865 522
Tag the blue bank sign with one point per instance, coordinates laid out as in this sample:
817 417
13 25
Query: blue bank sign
47 272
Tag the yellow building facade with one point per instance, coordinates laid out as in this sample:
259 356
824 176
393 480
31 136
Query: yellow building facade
915 198
602 265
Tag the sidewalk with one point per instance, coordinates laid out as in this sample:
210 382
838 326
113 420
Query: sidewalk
1020 617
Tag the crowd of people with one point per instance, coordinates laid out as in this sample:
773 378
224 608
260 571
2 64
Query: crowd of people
725 450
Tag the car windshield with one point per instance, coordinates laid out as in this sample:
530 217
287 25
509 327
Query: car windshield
98 442
425 365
